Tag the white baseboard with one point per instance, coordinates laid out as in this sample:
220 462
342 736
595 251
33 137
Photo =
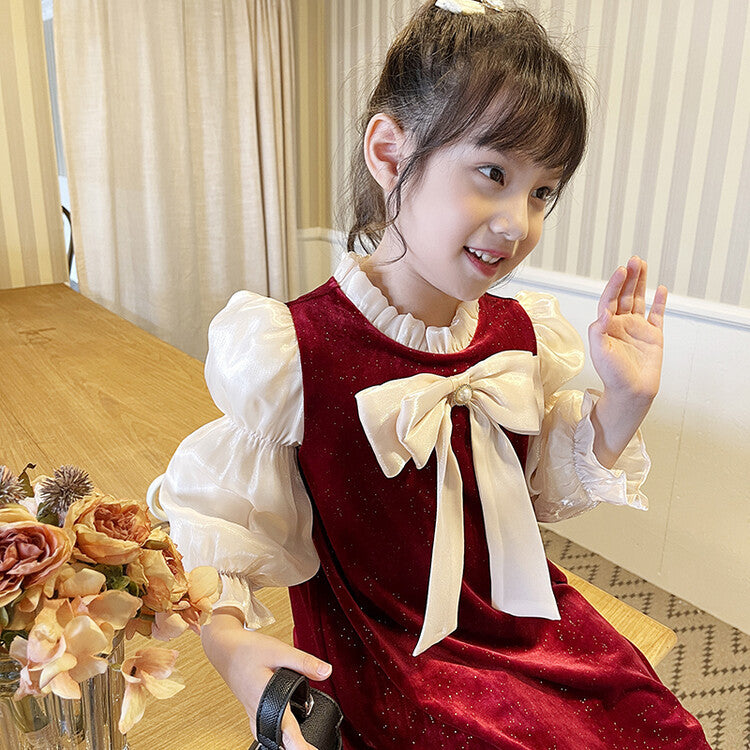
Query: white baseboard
685 307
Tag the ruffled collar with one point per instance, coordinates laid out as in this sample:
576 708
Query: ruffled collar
404 327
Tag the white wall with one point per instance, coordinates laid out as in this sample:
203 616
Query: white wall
695 539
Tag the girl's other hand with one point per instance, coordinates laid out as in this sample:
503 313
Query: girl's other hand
247 660
626 346
626 349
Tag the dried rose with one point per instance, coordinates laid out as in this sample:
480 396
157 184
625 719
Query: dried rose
204 587
163 542
107 530
152 574
30 552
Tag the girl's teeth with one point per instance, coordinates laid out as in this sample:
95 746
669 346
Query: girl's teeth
486 257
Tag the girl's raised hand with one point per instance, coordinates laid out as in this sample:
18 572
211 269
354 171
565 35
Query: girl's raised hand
626 346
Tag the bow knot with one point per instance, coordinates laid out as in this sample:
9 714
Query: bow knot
410 418
470 7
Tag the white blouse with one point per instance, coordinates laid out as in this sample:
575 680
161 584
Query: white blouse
233 493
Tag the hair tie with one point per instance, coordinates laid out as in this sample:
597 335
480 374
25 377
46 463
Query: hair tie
469 7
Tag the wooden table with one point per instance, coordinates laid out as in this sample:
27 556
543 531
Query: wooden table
82 386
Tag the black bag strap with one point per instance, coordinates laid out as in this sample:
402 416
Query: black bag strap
284 687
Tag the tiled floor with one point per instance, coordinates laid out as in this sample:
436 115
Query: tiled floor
708 670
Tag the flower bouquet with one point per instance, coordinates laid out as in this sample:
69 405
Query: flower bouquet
80 570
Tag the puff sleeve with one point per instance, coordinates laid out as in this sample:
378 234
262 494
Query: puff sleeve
232 491
563 474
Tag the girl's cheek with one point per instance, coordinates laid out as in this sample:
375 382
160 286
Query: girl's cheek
535 229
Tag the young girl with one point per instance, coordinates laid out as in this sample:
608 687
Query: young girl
392 437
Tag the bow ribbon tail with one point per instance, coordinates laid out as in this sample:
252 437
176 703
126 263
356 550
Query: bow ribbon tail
519 574
447 564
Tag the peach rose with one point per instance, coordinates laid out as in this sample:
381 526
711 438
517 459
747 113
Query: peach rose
159 572
153 576
107 530
159 539
30 551
194 610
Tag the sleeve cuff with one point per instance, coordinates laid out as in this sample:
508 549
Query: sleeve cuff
565 478
620 485
236 592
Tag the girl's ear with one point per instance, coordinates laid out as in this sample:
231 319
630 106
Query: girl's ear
384 149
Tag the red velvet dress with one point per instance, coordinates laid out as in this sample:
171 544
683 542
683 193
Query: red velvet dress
498 681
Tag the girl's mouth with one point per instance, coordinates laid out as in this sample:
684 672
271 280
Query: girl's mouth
485 262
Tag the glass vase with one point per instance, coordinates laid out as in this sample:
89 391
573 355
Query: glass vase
52 723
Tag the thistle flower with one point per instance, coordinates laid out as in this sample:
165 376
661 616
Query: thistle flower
58 493
11 489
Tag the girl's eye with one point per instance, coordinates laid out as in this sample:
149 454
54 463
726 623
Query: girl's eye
543 194
494 173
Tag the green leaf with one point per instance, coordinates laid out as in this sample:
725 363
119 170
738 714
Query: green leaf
4 618
47 514
155 544
120 583
23 478
115 576
109 570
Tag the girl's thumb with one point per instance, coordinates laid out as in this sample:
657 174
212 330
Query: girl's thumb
599 326
312 667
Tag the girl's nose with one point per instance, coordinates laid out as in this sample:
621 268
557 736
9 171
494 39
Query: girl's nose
511 218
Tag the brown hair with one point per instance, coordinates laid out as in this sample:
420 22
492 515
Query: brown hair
439 76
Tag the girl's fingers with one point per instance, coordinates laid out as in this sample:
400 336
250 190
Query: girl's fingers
281 654
627 292
656 316
311 667
639 297
291 735
608 300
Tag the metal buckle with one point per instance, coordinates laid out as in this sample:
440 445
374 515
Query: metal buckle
309 703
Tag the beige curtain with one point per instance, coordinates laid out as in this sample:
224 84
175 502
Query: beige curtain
32 248
177 124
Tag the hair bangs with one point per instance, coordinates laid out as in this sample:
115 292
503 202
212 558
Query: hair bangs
538 109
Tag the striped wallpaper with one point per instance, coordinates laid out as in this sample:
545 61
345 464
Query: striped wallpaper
31 231
669 141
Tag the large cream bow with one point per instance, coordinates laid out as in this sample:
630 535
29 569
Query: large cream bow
411 417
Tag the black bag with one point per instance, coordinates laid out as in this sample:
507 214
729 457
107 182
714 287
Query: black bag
319 716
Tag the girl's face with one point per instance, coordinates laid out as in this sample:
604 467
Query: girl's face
471 218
